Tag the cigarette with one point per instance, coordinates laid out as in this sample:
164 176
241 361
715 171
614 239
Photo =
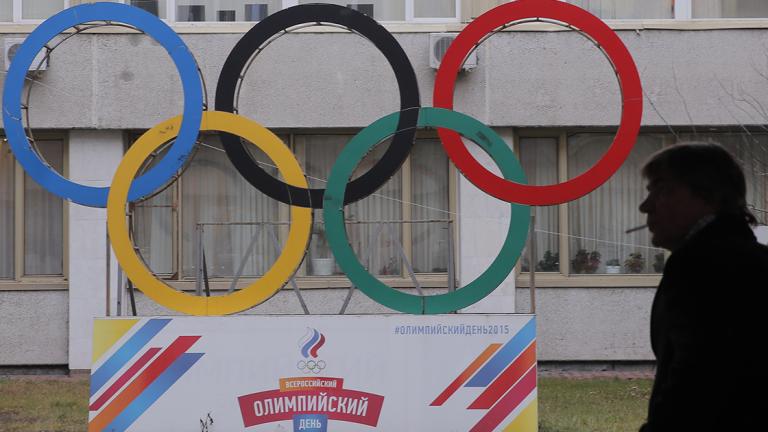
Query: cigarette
637 228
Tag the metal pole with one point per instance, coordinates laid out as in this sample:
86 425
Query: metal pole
532 265
199 251
119 291
451 267
109 282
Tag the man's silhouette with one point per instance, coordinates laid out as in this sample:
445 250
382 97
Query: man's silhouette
709 322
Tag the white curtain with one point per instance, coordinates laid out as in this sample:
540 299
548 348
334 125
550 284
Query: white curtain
628 9
214 192
434 8
429 174
598 220
153 230
44 219
538 156
6 213
320 152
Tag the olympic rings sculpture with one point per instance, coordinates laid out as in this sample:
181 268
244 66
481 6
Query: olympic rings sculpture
400 125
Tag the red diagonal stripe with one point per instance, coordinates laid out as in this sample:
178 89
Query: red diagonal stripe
507 379
124 378
464 376
508 403
160 364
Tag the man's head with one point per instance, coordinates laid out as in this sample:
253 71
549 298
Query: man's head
687 182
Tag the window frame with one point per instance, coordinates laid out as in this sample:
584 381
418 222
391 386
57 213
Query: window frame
32 281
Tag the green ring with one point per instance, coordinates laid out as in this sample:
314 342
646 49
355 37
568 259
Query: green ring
333 213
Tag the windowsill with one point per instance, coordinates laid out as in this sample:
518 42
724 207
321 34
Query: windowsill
321 282
35 284
406 27
552 280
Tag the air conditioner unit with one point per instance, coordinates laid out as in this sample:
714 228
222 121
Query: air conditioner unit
438 45
13 44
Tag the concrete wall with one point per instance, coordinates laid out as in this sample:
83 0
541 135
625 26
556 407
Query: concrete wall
33 327
301 80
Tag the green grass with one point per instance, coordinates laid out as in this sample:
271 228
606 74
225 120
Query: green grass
43 404
565 405
595 405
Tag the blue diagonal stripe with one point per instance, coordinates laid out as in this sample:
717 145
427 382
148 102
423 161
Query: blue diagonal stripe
153 392
126 353
504 356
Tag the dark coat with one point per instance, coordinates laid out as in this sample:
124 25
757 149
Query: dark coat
709 332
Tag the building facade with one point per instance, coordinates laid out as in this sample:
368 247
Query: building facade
545 89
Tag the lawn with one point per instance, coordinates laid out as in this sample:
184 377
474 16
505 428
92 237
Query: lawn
565 404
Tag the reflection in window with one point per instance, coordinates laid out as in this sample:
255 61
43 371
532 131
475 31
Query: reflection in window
628 9
598 221
730 9
383 10
434 8
538 156
40 9
225 10
155 7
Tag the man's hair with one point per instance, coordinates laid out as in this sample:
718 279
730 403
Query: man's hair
709 171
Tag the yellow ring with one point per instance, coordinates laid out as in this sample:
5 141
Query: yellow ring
255 293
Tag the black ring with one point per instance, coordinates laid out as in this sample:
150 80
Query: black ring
365 26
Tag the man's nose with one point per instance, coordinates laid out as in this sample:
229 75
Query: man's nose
645 205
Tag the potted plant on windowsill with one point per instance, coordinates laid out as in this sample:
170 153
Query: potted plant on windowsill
635 263
658 262
321 266
585 262
613 266
550 262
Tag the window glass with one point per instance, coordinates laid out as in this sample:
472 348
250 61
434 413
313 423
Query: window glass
155 7
383 10
40 9
538 156
44 219
434 8
214 192
6 10
730 9
429 177
225 10
628 9
6 212
598 221
376 244
751 154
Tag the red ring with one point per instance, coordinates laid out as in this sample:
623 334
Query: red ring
615 51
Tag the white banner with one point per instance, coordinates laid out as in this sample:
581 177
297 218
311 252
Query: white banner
315 373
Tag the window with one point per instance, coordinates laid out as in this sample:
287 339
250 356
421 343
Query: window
587 236
242 10
31 219
244 230
628 9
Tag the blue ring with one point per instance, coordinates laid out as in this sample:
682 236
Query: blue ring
185 63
